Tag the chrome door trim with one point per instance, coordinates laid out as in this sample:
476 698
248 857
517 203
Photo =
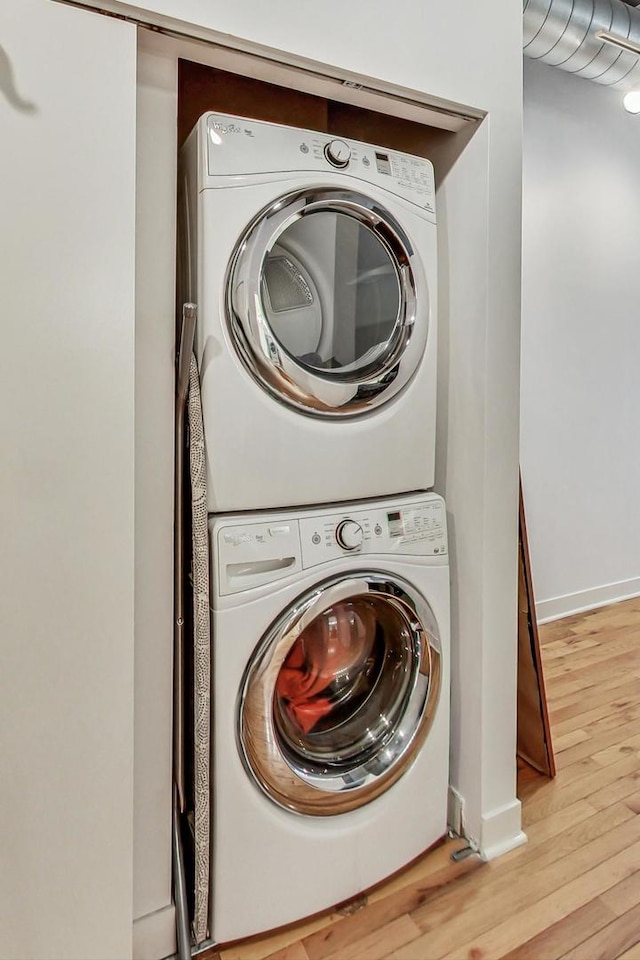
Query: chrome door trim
338 792
268 362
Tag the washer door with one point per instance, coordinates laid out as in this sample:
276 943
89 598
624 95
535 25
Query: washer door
322 302
340 694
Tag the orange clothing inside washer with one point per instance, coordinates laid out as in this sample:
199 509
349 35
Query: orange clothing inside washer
323 661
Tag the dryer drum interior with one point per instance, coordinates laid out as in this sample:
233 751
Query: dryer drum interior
340 694
322 302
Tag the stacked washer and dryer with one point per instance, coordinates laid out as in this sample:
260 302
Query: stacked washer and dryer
313 265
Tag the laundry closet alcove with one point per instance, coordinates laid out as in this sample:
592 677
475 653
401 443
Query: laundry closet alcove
184 79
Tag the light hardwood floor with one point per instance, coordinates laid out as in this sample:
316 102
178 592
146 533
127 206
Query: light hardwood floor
573 891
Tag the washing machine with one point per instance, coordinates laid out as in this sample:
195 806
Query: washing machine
330 704
312 261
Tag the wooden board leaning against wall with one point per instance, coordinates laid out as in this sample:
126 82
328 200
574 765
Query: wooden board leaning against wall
534 732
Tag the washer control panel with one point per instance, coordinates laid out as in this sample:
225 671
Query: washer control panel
349 534
248 553
252 554
413 529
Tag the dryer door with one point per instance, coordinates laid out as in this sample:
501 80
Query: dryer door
327 303
340 694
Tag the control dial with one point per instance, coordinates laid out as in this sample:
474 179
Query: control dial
338 153
349 534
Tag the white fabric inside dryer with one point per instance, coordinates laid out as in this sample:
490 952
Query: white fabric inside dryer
331 292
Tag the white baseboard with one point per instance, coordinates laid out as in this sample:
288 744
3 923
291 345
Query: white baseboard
566 606
509 843
154 936
455 812
501 831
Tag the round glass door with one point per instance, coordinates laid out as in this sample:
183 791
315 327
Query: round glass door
340 694
322 302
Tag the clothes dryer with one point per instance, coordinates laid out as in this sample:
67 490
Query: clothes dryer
330 707
312 261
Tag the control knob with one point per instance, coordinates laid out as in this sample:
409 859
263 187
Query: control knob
349 534
338 153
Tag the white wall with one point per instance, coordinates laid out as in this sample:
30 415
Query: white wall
580 341
155 367
472 56
67 230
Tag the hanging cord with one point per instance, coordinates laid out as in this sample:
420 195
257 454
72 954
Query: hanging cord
180 885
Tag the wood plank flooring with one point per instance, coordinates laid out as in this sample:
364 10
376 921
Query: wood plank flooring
573 892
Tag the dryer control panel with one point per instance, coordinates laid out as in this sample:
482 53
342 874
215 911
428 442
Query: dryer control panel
237 147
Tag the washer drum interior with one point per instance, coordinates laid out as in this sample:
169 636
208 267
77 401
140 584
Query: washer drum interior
340 694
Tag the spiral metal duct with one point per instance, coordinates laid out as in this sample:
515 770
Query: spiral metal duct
567 34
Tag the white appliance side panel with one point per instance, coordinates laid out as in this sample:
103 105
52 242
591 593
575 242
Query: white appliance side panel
263 454
67 195
261 853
